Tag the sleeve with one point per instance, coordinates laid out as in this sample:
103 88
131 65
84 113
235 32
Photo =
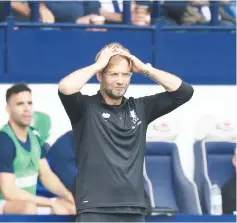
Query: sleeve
160 104
7 153
43 150
74 105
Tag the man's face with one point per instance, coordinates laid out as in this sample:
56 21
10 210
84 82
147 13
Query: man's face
116 79
20 109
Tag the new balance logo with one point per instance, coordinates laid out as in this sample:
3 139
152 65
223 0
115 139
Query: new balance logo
105 115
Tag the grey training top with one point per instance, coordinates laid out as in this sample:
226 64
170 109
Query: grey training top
110 144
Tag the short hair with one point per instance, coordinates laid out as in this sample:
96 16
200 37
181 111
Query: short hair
118 45
114 58
15 89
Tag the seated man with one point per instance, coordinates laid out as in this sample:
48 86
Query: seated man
226 12
22 12
183 12
73 11
229 192
112 11
22 161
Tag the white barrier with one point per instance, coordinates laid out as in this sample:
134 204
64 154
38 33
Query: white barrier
219 101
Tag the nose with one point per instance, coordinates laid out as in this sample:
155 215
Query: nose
120 79
27 108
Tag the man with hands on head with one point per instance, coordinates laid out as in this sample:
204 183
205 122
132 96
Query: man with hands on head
110 133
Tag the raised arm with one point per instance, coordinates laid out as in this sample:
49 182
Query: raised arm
177 91
75 81
169 81
21 8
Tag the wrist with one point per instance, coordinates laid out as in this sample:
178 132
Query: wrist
146 69
98 67
51 203
27 12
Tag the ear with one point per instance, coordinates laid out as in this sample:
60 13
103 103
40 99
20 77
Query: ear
99 77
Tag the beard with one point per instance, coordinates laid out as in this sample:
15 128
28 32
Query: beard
113 94
23 124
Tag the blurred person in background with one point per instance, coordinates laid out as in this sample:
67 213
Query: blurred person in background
228 192
230 8
204 11
22 160
203 8
80 12
21 11
110 133
140 15
227 12
181 13
194 12
56 11
112 11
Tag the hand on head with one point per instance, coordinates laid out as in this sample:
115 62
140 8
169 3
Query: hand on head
106 54
104 57
137 65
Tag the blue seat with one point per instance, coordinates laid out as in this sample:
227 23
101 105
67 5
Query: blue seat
41 190
62 163
213 152
169 187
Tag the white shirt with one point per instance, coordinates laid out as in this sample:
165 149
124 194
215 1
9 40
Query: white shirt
108 5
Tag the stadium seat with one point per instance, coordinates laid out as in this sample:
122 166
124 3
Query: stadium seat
213 150
169 187
41 190
42 123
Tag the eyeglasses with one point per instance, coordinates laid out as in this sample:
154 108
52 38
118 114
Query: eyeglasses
116 75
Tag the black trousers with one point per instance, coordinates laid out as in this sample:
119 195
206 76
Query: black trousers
104 217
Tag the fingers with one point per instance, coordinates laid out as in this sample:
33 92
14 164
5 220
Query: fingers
107 50
114 50
111 51
126 54
115 53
